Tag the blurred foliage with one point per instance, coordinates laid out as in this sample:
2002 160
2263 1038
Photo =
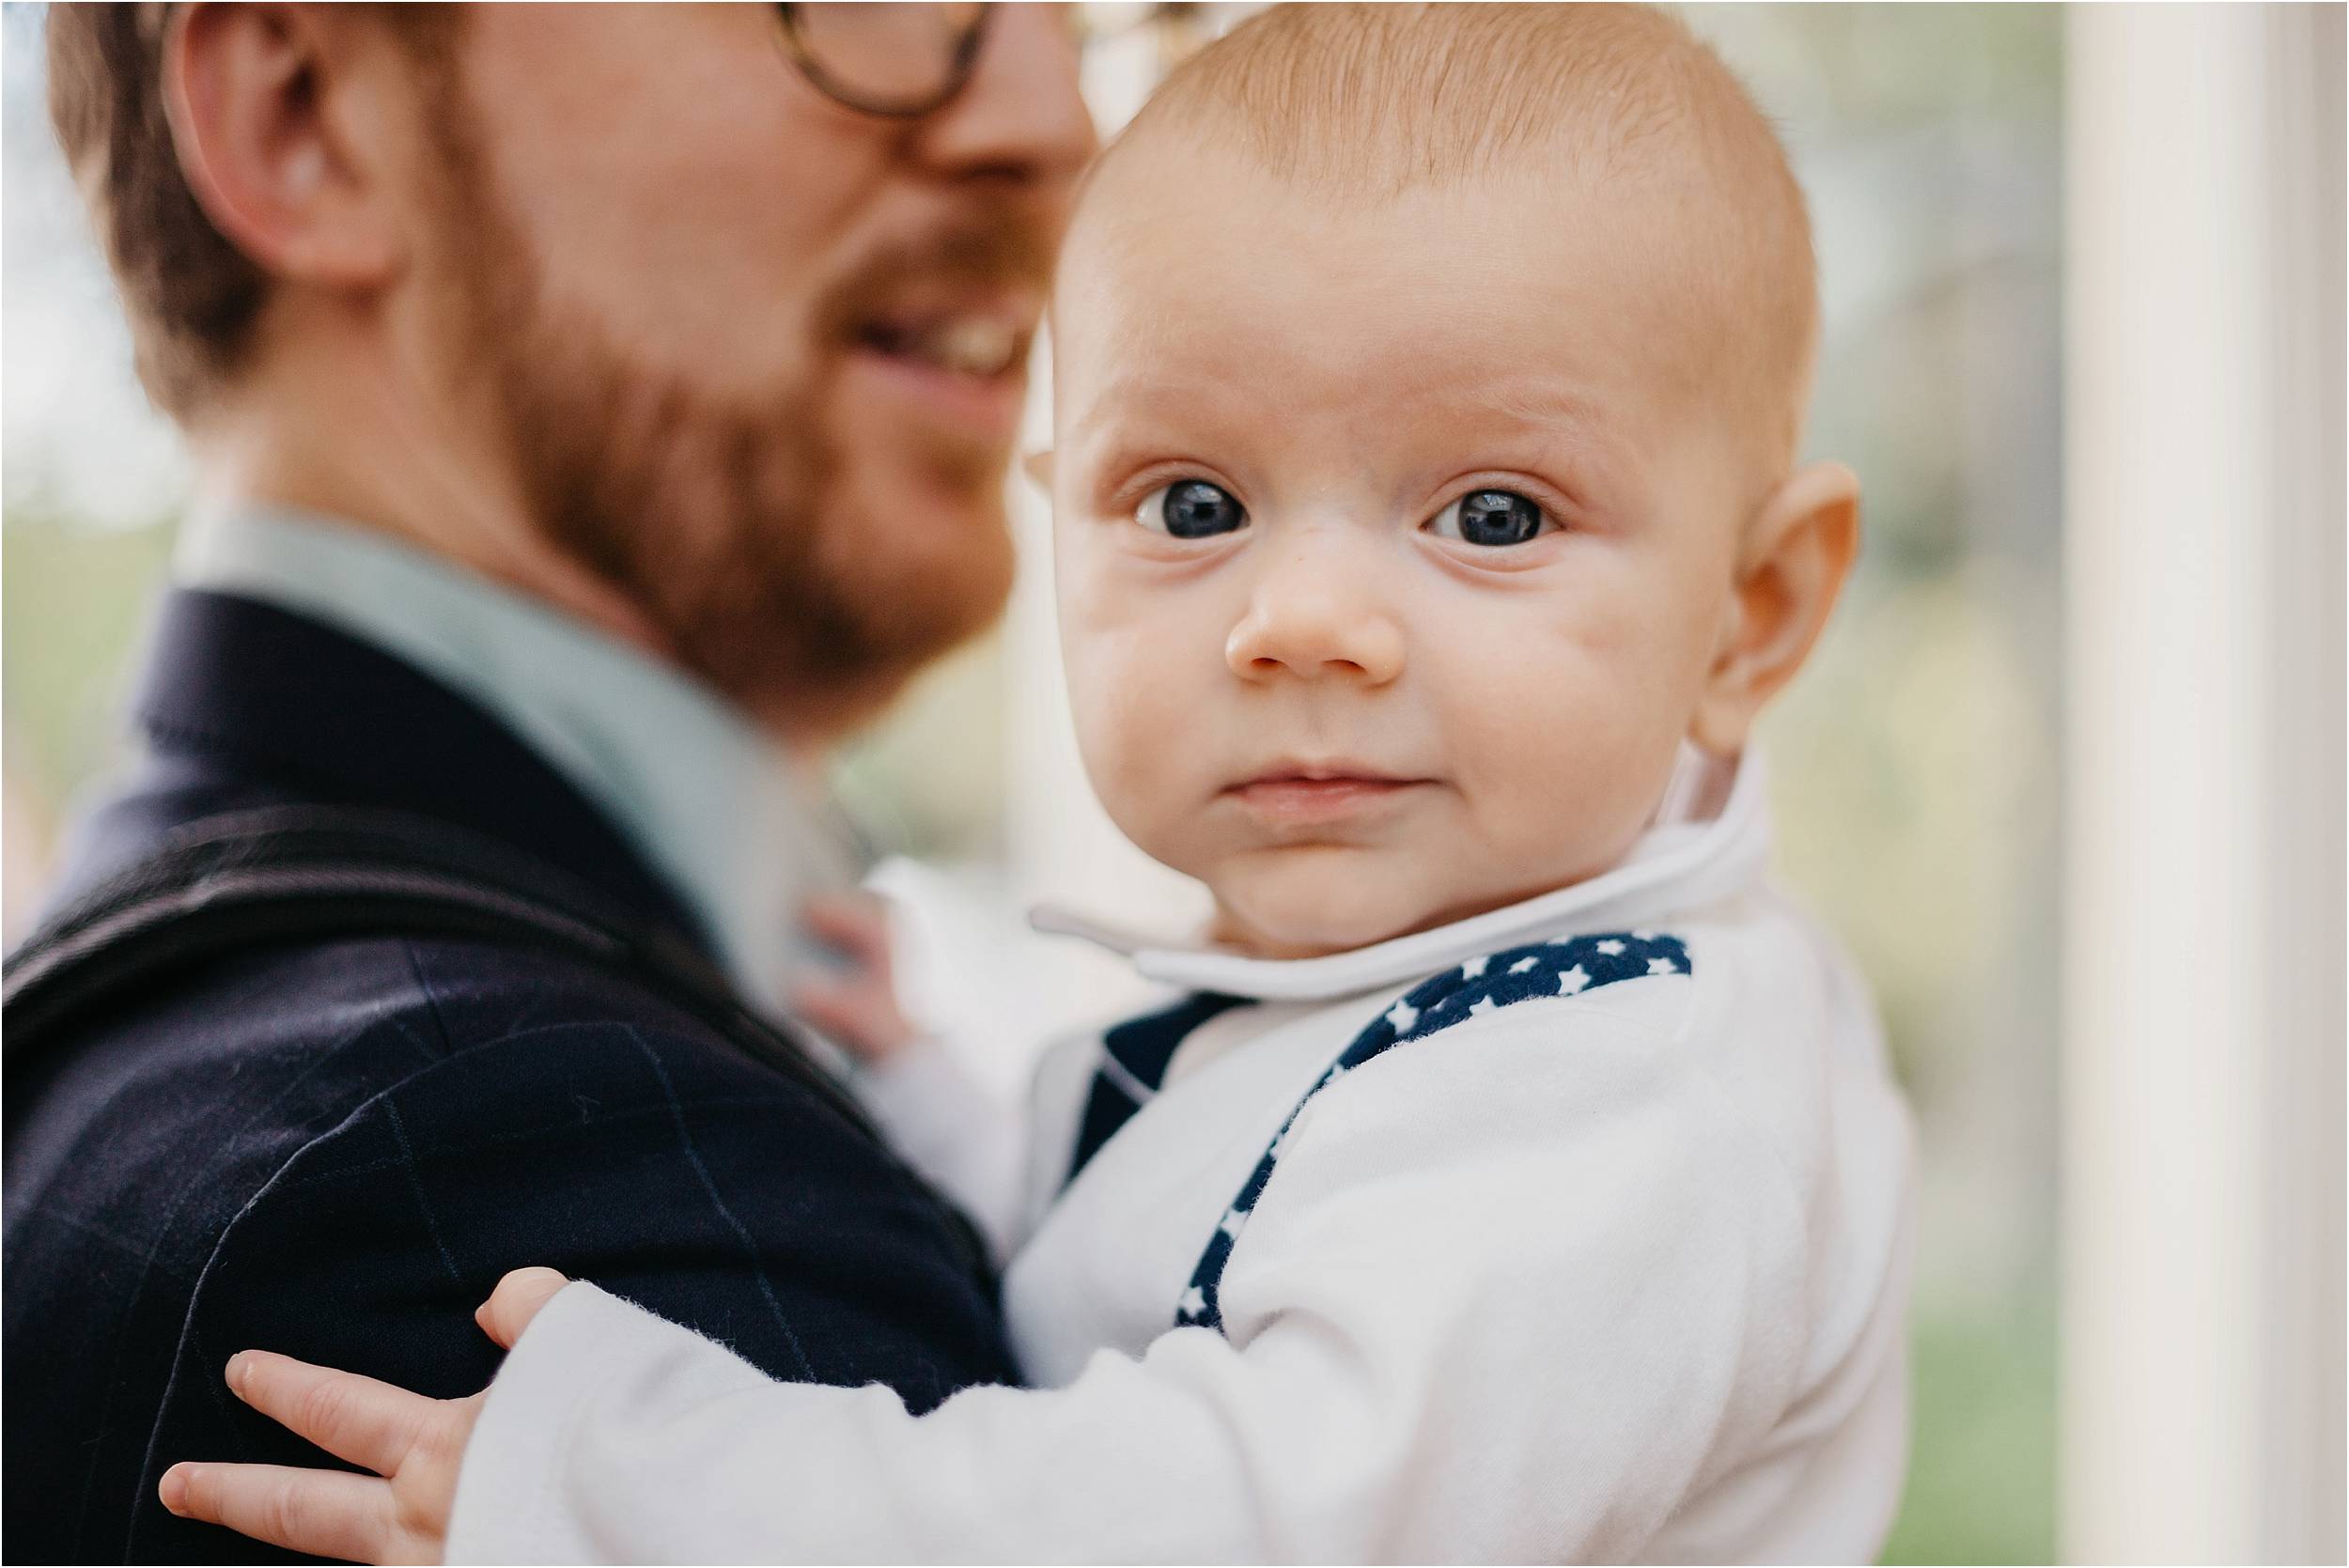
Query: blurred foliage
905 799
72 602
1985 1443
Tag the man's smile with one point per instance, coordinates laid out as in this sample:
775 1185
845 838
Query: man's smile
961 363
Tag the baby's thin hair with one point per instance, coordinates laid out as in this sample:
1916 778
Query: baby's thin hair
1373 98
1365 102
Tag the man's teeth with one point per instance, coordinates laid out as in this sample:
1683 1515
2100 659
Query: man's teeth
973 346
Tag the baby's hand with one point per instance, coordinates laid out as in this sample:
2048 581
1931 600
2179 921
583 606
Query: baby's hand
416 1445
860 1008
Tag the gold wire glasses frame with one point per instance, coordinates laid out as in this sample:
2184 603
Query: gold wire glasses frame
906 60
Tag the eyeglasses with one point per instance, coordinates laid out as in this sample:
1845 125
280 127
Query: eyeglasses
906 60
899 60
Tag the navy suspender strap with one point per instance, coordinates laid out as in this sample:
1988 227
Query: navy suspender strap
1134 1059
1567 969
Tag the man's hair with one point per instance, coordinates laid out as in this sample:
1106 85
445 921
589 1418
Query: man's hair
191 296
1363 102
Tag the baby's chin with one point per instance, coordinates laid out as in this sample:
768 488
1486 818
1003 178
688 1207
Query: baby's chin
1307 903
1297 915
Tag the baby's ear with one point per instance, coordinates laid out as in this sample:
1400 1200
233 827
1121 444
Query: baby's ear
1791 566
1037 466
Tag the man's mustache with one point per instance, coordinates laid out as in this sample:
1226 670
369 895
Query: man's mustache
998 250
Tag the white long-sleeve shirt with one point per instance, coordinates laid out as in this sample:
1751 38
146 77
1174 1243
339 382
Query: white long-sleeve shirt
1597 1250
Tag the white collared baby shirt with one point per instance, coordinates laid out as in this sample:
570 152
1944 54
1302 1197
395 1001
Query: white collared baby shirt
1577 1231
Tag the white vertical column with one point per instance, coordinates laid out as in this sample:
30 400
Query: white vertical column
2201 1395
2304 1461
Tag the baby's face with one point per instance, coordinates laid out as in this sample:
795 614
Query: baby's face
1391 559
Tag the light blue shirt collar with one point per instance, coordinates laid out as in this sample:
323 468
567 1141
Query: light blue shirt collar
710 799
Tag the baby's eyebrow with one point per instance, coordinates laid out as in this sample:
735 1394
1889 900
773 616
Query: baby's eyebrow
1129 387
1535 402
1541 402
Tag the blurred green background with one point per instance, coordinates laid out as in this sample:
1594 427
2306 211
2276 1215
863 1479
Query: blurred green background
1914 765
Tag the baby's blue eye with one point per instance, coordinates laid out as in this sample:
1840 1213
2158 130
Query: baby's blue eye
1191 509
1494 518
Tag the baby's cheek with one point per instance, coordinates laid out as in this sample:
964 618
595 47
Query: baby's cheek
1557 766
1130 733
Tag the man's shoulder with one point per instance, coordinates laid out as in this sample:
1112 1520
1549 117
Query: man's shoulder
216 1082
314 1005
532 1045
492 998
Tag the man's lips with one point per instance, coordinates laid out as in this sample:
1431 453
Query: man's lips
984 408
964 363
973 342
970 329
1319 794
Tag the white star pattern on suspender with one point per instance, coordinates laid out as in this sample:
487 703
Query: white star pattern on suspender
1567 967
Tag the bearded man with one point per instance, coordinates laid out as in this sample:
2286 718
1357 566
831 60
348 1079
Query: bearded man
596 412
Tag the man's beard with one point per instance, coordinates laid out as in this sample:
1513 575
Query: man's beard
717 517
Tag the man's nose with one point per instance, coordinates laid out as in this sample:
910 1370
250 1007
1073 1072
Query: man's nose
1020 117
1315 613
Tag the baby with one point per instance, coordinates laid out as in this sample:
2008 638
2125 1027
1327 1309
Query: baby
1519 1177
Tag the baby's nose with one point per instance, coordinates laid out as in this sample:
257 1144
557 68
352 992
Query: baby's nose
1314 619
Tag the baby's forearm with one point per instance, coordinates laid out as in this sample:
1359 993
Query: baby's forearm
675 1450
678 1452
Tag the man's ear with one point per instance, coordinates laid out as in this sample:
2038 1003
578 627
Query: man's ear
1790 567
1037 466
278 135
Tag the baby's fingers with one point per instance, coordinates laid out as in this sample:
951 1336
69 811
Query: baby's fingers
855 922
322 1513
516 1301
350 1416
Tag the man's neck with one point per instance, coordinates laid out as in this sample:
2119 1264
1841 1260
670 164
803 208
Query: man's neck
353 447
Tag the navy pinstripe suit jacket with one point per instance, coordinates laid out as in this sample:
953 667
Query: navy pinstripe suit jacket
335 1149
